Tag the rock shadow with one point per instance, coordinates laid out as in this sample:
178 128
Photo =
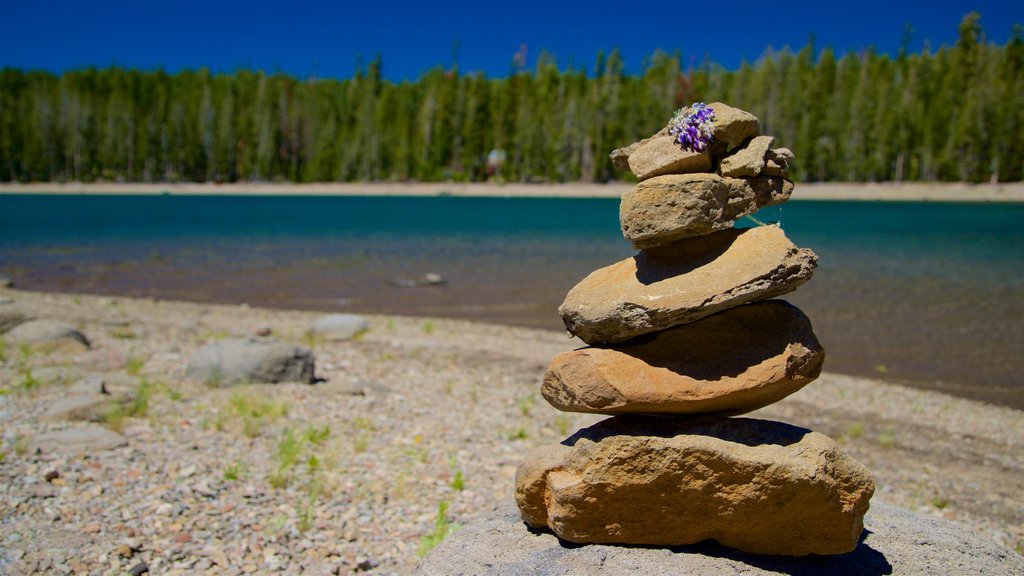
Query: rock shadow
746 431
682 257
726 344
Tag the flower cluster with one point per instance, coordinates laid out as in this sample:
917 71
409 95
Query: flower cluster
692 127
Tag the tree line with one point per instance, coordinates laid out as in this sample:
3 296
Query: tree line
951 114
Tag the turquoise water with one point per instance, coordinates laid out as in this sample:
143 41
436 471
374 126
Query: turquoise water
927 294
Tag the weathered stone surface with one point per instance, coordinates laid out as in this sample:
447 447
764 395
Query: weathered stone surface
668 208
79 439
660 155
339 326
731 362
682 282
755 485
46 332
776 162
241 360
88 407
9 319
620 156
732 125
747 161
895 541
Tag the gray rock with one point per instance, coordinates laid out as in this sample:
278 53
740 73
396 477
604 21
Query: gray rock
668 208
660 155
87 407
895 541
55 375
45 331
682 282
80 439
241 360
6 282
747 161
339 326
9 319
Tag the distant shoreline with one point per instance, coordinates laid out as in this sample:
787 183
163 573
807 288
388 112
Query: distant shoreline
930 192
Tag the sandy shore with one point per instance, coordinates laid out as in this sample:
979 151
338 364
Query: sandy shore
414 413
936 192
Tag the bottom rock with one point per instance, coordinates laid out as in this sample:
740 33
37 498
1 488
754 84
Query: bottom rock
896 541
754 485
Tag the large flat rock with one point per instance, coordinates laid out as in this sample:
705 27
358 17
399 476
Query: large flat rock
250 360
666 209
731 362
683 282
895 541
755 485
660 155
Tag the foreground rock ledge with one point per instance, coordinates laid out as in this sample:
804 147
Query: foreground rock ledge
683 282
731 362
895 541
665 209
754 485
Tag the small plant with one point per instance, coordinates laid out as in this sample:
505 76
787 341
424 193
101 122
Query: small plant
526 404
254 411
458 482
123 333
361 443
391 325
233 471
3 350
134 366
887 439
3 456
289 449
312 339
28 381
692 128
940 503
442 528
855 430
428 327
519 434
308 512
316 435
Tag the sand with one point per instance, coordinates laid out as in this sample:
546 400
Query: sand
937 192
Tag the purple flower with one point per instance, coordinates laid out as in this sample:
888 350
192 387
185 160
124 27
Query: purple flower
692 128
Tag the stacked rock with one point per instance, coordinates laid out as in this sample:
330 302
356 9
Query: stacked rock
682 337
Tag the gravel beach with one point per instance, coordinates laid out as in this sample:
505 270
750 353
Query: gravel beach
414 427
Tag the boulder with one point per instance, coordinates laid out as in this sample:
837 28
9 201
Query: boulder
80 439
731 362
88 407
895 541
676 284
339 326
9 319
732 125
754 485
665 209
46 332
747 161
250 360
660 155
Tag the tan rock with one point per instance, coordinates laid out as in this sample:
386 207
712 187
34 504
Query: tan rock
776 162
660 155
747 161
620 156
731 362
755 485
682 282
665 209
732 125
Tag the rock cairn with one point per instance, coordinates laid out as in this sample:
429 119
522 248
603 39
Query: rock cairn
682 337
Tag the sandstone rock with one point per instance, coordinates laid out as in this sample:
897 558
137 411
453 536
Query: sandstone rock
747 161
682 282
732 125
46 332
9 319
620 156
236 361
776 162
895 541
754 485
80 439
731 362
660 155
668 208
339 326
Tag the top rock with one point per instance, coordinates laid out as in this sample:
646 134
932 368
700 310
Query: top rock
732 125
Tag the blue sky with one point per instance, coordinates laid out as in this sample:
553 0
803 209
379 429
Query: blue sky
323 38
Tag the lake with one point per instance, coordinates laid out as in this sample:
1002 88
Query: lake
926 294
